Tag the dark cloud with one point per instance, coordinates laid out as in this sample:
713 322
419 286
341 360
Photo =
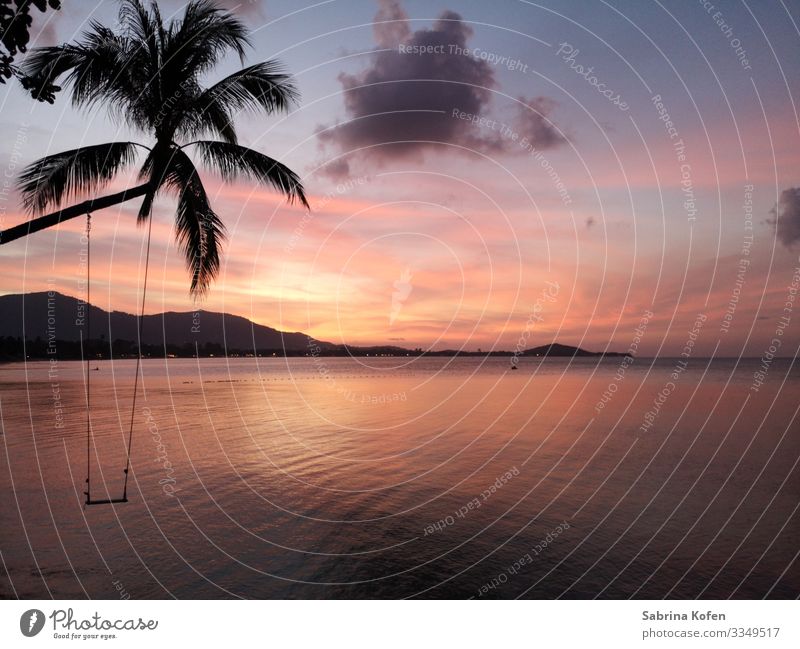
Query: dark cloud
787 217
391 24
335 169
404 97
534 124
403 103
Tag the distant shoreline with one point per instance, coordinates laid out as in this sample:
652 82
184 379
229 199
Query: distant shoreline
70 353
437 354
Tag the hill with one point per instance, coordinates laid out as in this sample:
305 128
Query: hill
52 325
54 316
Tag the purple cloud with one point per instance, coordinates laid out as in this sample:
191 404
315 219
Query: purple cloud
787 217
406 101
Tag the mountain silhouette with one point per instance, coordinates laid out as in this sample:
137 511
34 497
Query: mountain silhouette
42 315
45 317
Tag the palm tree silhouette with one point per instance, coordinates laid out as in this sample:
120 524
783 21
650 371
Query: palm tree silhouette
149 73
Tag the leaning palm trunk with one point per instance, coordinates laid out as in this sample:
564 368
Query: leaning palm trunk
149 73
54 218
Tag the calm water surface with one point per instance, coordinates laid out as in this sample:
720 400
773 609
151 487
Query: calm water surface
400 477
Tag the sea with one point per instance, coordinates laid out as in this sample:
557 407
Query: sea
401 477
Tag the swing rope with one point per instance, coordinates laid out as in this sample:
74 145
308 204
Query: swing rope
88 375
138 356
89 435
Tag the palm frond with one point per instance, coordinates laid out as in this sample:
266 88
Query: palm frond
146 36
214 119
142 27
155 171
54 178
233 161
48 63
204 35
264 86
97 67
199 230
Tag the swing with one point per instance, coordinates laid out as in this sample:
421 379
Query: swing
89 435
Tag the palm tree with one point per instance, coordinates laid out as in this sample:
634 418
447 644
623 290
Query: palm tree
149 73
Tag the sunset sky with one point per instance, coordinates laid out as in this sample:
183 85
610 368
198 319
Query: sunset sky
430 228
